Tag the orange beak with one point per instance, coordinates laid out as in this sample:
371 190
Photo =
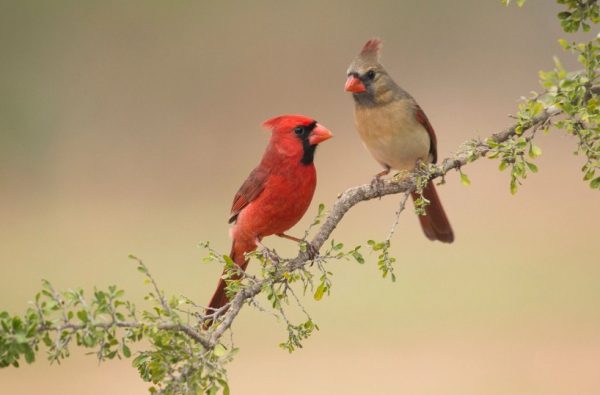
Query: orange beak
319 134
354 85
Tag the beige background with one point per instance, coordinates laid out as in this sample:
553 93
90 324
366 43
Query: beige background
127 128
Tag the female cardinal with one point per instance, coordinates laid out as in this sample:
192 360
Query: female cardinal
277 192
395 130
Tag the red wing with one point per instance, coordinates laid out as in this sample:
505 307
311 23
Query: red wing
422 118
250 189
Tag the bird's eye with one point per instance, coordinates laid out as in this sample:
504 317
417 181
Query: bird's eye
298 130
371 74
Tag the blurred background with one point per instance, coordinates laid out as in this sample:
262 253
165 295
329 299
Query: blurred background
127 127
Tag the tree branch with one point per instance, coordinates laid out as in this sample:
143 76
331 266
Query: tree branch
470 151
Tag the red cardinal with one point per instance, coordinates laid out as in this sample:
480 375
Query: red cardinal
395 130
277 192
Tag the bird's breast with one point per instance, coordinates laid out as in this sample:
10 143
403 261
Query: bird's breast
392 134
284 200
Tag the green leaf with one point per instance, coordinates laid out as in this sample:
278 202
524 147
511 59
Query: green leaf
228 260
464 179
589 175
320 291
226 390
595 183
29 354
220 350
513 186
532 167
358 256
82 315
126 351
321 209
564 15
142 269
534 151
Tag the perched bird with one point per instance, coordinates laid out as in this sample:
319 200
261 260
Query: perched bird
395 130
277 192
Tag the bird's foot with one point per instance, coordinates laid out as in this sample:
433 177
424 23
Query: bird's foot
270 255
311 250
377 183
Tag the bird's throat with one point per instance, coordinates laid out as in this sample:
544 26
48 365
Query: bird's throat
308 152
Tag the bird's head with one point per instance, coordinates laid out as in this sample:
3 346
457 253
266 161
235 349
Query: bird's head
368 81
296 136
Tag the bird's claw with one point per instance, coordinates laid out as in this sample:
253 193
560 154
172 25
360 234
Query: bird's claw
310 250
377 184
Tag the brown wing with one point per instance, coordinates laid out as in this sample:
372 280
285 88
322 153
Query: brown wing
422 118
250 189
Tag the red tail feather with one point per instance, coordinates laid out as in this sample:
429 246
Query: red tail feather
238 249
435 224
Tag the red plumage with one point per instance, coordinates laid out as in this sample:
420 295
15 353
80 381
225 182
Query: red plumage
277 192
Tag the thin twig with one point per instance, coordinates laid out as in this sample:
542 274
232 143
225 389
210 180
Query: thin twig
397 218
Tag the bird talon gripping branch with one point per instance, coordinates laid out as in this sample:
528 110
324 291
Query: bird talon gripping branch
304 245
378 184
312 251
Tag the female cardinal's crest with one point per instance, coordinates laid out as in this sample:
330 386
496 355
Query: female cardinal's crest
371 48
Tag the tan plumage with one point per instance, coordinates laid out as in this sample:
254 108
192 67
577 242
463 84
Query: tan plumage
401 148
395 130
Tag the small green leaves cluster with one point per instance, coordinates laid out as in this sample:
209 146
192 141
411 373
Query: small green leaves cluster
57 320
421 178
335 251
316 221
515 153
324 285
277 280
177 362
579 14
279 296
574 94
472 151
298 333
279 291
18 338
385 262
